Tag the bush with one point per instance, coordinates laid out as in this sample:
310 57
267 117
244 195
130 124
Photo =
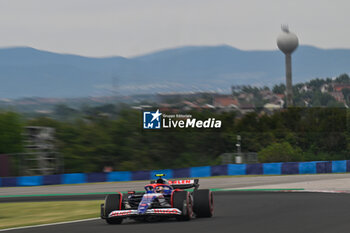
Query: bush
280 152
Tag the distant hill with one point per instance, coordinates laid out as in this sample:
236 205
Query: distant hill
26 71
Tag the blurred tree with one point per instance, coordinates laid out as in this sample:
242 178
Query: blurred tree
343 78
91 142
280 152
346 93
63 112
279 89
11 129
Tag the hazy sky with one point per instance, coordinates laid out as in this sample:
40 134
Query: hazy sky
133 27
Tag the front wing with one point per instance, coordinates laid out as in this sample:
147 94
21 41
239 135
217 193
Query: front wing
134 213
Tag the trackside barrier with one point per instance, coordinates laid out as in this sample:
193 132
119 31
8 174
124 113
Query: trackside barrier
339 166
181 172
272 168
307 168
141 175
315 167
29 180
200 171
52 179
290 168
118 176
236 169
325 167
254 169
219 170
74 178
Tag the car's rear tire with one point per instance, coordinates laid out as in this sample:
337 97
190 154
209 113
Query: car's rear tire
182 200
203 203
113 202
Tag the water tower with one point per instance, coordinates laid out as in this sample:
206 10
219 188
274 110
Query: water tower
287 42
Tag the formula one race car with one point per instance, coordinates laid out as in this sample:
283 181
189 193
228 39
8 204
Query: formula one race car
162 199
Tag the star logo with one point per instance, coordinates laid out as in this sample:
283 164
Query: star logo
156 115
151 120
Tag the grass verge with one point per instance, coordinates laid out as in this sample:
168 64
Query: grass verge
34 213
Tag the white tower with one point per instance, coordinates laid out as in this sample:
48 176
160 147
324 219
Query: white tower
287 42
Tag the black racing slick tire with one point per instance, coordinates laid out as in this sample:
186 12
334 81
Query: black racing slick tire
182 200
113 202
203 203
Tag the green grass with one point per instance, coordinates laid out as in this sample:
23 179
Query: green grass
34 213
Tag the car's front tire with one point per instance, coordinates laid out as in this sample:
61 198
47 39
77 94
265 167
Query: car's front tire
182 200
113 202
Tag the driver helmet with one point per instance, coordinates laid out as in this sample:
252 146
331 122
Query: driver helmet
159 189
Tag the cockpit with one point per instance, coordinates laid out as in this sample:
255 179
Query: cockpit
158 188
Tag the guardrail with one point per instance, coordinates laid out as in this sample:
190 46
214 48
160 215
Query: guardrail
288 168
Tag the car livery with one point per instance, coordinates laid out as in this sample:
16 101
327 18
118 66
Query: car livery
161 199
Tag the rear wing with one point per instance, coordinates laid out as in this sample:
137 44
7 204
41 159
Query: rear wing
184 184
177 184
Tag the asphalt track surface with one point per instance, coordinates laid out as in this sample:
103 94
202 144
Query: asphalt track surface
253 212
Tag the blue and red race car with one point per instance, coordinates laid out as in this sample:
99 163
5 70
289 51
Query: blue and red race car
162 199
